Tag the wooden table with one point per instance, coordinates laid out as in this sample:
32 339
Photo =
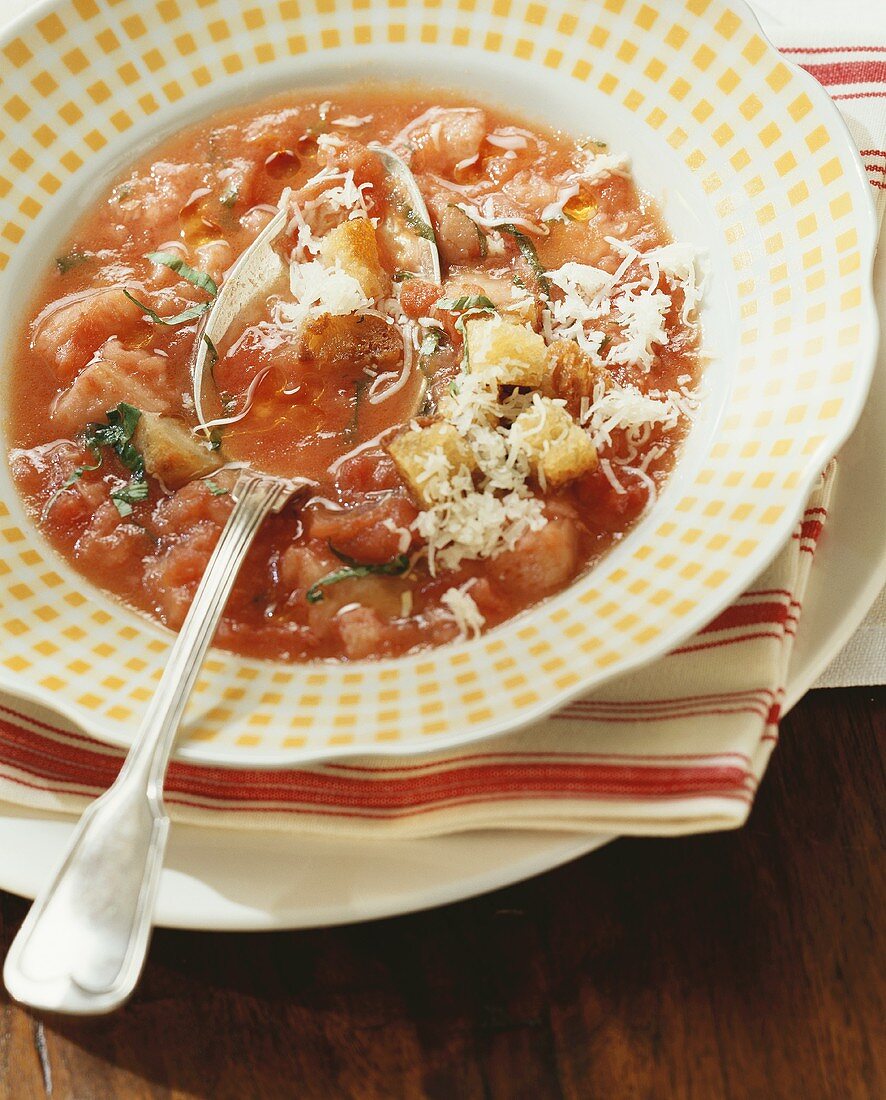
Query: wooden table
743 964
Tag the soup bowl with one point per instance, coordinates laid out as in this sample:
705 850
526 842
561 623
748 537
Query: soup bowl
748 159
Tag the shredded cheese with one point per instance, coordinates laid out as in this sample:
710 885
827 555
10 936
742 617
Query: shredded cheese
463 610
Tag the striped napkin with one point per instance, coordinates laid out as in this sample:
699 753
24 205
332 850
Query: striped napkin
677 748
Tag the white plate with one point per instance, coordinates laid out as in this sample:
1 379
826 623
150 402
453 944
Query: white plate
227 880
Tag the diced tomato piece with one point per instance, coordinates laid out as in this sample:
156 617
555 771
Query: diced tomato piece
370 471
362 632
605 509
417 297
542 561
365 533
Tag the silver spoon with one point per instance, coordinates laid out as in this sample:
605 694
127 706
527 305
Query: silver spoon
398 169
82 946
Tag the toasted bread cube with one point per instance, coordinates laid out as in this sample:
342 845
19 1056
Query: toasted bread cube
427 458
170 450
557 448
572 375
350 341
352 245
511 353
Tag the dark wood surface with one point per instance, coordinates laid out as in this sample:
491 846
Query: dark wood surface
744 964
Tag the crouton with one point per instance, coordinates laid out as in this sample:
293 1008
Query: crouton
350 341
557 448
571 374
170 450
427 457
510 353
352 245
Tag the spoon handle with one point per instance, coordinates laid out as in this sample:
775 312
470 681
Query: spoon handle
83 943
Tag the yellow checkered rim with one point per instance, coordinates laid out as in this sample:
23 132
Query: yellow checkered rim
763 153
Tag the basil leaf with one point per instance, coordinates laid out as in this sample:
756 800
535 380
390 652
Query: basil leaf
418 225
213 351
394 568
175 263
71 259
402 276
350 432
214 487
190 314
126 495
117 434
432 341
527 248
466 302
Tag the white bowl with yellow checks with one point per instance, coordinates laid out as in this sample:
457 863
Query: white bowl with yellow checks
748 157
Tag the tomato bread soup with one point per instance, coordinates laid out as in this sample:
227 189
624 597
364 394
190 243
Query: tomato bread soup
470 447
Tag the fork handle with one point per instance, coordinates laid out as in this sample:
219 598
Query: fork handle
83 944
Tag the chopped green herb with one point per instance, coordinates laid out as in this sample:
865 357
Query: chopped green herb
71 259
214 487
116 434
527 248
212 351
402 276
190 314
229 197
215 440
518 281
467 302
394 568
435 339
418 225
126 495
454 388
359 389
196 278
175 263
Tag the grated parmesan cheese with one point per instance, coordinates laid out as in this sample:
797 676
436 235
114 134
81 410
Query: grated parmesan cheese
626 407
596 166
317 289
404 536
467 616
642 317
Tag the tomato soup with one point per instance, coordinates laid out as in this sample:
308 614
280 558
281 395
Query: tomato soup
471 446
